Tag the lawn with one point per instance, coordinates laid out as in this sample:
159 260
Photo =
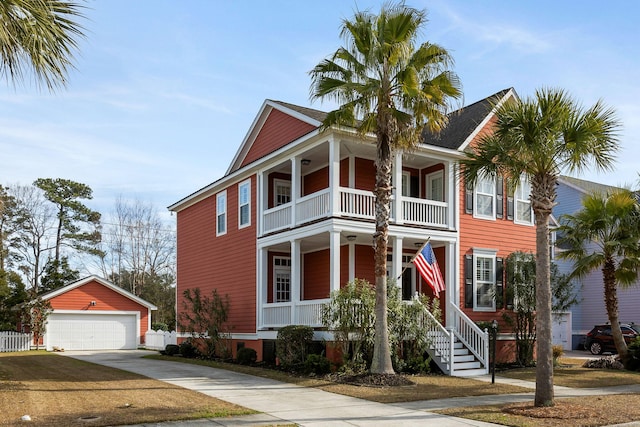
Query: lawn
60 391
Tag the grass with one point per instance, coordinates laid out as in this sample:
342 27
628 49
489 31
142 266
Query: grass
55 390
570 373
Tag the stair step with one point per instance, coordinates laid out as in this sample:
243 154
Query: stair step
461 352
458 344
469 373
467 365
463 358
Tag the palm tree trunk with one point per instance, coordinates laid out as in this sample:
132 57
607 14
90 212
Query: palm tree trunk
543 191
381 363
611 302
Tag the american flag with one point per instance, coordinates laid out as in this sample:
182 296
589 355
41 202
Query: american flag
427 265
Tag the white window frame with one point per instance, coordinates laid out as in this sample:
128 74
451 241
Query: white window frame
283 183
242 203
522 199
430 178
491 255
405 187
489 181
280 268
221 213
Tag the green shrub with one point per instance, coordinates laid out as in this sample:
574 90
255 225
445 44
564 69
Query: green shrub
188 350
634 355
317 364
291 345
171 350
246 356
159 326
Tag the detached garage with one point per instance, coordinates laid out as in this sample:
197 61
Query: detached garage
94 314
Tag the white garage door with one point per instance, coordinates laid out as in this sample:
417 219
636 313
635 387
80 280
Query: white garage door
91 331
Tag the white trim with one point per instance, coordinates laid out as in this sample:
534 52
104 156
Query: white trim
522 182
279 181
429 178
280 267
476 214
246 182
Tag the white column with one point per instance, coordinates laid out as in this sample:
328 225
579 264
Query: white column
352 171
352 261
334 262
296 276
396 262
397 188
262 192
334 176
262 280
295 187
450 192
452 282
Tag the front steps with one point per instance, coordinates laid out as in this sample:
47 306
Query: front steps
465 363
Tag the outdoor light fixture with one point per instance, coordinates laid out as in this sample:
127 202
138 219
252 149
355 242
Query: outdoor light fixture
351 237
93 303
417 244
305 162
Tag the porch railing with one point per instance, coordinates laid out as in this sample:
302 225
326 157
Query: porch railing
277 218
279 314
424 212
475 339
313 206
357 203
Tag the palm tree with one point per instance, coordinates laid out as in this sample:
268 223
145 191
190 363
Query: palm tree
40 35
536 139
604 234
388 87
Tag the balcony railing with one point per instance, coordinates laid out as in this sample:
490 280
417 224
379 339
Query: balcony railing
355 204
279 314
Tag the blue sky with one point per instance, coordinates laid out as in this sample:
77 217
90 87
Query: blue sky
165 91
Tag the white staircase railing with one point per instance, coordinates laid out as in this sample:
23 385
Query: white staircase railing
441 342
475 339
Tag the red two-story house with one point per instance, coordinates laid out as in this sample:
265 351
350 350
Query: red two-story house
293 218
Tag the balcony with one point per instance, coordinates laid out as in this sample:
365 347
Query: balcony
353 203
280 314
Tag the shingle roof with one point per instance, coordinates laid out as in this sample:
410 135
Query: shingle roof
588 186
309 112
463 122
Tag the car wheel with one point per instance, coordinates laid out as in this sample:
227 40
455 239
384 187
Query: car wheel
595 348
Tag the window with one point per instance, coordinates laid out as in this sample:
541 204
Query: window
484 283
281 192
406 184
435 186
281 279
485 197
523 214
244 207
483 280
221 213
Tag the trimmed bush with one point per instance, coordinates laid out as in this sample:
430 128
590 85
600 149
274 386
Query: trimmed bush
291 345
246 356
317 364
188 350
607 362
171 350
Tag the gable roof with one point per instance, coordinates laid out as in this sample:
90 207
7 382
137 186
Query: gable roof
466 122
101 281
585 186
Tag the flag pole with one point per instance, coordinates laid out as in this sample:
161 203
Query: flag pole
414 258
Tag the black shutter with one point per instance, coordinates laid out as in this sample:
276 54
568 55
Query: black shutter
414 186
468 199
510 207
468 281
499 196
499 282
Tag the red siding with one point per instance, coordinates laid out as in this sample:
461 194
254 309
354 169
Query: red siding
344 172
364 263
226 263
365 174
316 275
344 265
106 300
278 130
316 181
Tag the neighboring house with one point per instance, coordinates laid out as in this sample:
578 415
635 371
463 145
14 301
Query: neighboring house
591 310
94 314
292 220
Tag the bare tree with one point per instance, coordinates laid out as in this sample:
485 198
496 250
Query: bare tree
138 246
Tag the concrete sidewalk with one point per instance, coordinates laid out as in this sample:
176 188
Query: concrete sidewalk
283 403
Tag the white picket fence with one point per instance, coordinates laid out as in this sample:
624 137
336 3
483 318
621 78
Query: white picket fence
14 341
158 340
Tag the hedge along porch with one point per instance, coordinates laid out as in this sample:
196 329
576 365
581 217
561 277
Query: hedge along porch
94 314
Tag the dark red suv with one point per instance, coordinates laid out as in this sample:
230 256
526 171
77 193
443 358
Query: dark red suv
599 339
